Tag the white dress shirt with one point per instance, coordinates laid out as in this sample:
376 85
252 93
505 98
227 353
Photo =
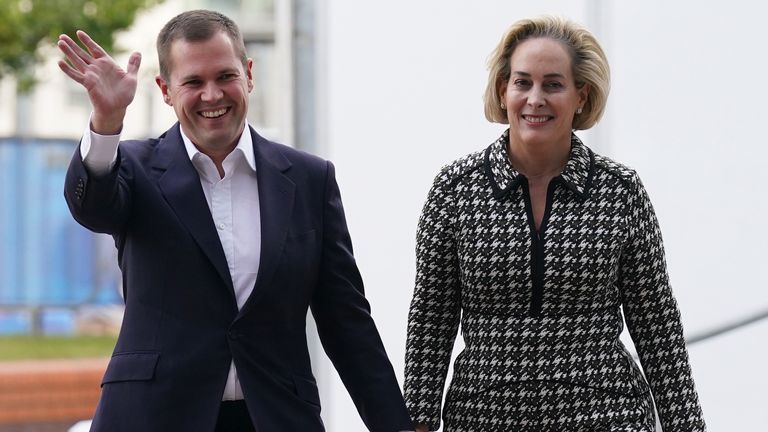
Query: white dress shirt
234 204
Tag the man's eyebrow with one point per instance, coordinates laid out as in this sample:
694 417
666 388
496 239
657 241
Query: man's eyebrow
197 76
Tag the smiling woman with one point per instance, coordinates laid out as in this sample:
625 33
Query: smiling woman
541 100
536 245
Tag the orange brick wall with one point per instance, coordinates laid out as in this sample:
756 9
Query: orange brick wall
46 391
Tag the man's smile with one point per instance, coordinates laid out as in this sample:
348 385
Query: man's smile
214 113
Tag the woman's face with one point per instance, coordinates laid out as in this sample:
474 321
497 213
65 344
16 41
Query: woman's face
541 95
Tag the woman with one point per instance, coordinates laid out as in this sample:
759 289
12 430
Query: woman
536 243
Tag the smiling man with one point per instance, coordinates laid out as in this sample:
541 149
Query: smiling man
224 240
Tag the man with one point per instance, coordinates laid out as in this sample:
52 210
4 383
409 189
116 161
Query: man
224 240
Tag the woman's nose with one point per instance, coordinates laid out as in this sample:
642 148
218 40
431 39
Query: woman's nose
536 97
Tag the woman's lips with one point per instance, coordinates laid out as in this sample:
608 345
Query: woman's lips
537 118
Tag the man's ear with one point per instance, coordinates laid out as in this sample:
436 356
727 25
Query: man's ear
249 74
164 89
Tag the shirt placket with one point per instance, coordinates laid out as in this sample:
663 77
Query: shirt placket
221 210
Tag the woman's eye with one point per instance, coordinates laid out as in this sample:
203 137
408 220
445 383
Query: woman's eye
521 83
554 85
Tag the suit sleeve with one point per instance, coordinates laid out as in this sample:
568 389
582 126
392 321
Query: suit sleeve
435 307
346 328
100 202
653 319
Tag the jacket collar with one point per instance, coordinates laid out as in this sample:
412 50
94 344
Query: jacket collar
576 175
244 146
179 183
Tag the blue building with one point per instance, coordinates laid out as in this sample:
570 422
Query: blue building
49 265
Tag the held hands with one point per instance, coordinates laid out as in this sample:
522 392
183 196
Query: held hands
110 88
422 428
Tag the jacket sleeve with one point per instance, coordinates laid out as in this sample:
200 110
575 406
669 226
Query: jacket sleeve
435 308
653 318
346 328
102 202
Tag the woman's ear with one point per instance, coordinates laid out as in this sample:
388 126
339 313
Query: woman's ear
501 90
584 94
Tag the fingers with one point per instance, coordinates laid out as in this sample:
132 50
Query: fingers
74 65
95 65
133 63
70 71
95 49
76 55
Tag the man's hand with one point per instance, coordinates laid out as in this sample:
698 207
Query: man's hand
110 88
422 428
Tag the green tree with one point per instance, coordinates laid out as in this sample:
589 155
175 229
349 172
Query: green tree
28 25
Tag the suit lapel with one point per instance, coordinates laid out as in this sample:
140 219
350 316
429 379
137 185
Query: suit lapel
276 196
180 184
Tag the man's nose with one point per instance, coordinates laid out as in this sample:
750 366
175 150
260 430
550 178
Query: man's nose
211 92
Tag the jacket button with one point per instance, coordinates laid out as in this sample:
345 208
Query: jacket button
233 335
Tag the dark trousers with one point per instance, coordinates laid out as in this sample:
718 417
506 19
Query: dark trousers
233 417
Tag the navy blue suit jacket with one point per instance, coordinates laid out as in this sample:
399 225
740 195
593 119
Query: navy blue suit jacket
182 327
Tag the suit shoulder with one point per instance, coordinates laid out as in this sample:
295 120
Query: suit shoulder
615 171
139 146
296 156
140 150
453 172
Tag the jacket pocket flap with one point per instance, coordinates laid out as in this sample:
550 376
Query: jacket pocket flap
306 389
131 366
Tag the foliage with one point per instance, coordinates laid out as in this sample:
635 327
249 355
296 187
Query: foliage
28 25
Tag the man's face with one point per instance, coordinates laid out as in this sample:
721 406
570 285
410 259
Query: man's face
208 89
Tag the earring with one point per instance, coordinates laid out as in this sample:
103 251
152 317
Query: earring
503 106
578 111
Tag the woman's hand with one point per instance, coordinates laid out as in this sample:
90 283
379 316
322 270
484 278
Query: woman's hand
422 428
110 88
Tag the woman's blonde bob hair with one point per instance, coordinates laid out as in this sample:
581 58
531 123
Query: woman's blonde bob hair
587 59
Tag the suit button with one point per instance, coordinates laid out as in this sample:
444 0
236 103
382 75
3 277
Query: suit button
233 335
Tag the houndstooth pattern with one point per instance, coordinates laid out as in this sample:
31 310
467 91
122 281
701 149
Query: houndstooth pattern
544 311
528 406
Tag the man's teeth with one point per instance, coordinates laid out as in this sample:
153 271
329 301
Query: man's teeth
214 114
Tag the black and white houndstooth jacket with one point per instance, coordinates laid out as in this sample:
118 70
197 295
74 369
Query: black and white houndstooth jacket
544 306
